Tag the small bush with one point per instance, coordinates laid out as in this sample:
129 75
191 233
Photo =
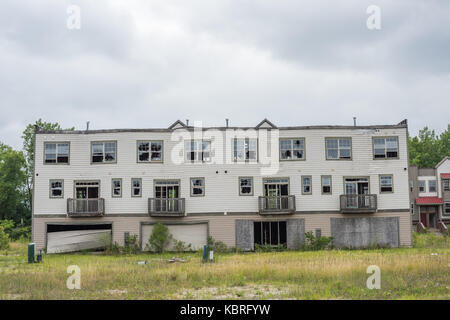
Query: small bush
217 245
159 239
320 243
181 246
133 246
4 239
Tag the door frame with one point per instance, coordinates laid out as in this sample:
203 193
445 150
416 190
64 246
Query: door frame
86 181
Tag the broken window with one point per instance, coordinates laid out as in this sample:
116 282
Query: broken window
56 189
306 185
292 149
197 187
56 153
270 233
446 186
198 150
338 148
246 186
326 184
150 151
103 152
386 184
116 187
447 208
136 187
245 149
385 148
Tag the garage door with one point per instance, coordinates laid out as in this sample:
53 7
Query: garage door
365 232
195 234
71 238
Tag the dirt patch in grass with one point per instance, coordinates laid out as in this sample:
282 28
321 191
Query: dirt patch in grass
239 292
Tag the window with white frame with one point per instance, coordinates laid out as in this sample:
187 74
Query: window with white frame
386 183
198 150
326 184
197 187
56 189
116 188
245 186
150 151
104 152
431 185
422 185
55 153
385 148
446 185
136 187
292 149
245 149
338 148
447 208
306 185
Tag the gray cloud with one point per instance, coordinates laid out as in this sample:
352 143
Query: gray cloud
146 64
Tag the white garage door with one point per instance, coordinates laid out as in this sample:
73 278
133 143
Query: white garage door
195 234
77 240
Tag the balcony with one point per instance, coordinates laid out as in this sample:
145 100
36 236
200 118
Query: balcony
171 207
85 207
358 203
276 205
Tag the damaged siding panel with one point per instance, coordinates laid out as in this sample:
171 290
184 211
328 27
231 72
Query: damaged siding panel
79 240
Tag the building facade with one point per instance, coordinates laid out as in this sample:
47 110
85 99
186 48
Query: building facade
244 186
430 195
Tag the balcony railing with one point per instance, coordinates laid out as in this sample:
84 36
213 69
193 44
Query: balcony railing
276 205
353 203
170 207
85 207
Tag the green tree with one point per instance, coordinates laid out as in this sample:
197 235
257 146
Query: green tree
159 239
12 184
28 148
428 148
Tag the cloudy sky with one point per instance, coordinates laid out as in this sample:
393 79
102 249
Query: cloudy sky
143 64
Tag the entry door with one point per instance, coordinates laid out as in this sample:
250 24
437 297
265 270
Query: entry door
168 193
273 192
363 188
87 195
357 187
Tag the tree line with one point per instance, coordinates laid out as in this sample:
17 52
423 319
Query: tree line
16 170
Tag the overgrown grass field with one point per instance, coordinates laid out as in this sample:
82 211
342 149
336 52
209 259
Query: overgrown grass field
422 272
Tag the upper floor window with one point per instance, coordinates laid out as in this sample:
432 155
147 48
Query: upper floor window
136 187
385 148
421 185
198 150
116 188
446 185
245 149
104 152
56 189
326 184
431 185
245 186
338 148
197 187
306 185
150 151
56 152
292 149
386 184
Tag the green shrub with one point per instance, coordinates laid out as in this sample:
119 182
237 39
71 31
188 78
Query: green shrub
217 245
4 239
15 232
159 239
181 246
133 246
313 243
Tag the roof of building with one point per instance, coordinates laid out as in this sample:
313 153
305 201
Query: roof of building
264 124
442 161
428 200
